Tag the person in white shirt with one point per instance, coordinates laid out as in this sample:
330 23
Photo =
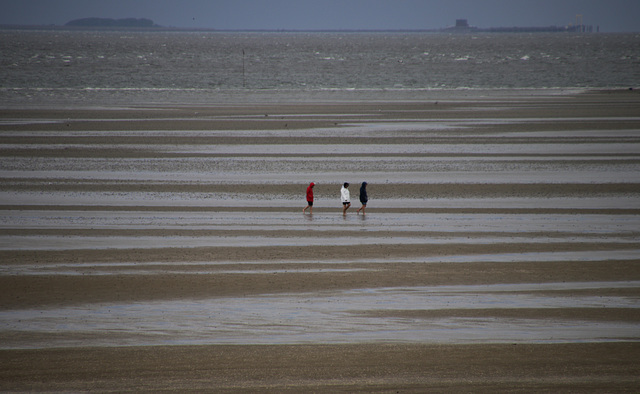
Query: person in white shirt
346 198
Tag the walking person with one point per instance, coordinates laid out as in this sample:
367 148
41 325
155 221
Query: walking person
309 199
345 197
363 197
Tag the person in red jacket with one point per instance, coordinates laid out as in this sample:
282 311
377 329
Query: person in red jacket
309 198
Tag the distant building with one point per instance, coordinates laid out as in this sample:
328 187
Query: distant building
462 24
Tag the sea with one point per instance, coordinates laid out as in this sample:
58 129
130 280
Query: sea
197 66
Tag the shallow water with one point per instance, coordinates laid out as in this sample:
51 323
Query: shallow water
335 317
381 228
221 267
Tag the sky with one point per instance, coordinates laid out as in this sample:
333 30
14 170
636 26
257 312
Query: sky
608 15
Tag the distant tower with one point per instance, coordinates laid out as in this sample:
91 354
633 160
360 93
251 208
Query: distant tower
579 25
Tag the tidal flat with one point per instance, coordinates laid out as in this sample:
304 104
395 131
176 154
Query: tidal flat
164 247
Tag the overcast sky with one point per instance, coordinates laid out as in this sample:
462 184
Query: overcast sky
609 15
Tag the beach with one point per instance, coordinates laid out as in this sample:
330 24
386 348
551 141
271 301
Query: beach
163 246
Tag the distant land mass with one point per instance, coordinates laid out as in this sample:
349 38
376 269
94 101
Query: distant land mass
107 22
461 26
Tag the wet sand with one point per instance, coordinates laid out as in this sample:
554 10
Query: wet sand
164 247
588 367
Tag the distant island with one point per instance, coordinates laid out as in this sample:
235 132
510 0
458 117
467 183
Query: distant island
141 23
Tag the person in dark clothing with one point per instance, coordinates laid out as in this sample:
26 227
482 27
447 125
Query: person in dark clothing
363 197
309 198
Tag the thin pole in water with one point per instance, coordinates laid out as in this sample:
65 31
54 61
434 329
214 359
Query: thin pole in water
244 84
